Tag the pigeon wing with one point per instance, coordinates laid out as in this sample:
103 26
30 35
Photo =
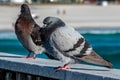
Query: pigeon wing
35 35
67 40
70 43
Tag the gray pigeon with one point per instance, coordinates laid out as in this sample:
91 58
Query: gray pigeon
67 45
27 32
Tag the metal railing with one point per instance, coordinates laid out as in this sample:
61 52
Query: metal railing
13 67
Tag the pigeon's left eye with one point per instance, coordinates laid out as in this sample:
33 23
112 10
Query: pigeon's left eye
49 22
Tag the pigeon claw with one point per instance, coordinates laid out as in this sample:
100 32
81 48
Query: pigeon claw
65 67
28 57
23 57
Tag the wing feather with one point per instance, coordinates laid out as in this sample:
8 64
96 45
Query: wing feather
35 35
65 38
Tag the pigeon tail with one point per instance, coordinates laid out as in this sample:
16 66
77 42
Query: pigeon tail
94 58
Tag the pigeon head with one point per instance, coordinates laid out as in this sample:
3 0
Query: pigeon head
53 22
25 8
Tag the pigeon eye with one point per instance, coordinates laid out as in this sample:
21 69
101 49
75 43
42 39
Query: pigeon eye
49 22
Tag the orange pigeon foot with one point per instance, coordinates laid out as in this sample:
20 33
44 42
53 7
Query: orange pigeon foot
63 67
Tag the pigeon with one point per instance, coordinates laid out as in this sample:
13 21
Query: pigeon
27 32
64 43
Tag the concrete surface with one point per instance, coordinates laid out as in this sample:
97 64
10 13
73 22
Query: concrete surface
76 15
45 67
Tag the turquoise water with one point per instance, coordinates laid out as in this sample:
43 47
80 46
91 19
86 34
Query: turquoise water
105 42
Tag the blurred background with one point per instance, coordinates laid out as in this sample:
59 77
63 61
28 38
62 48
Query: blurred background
97 20
60 1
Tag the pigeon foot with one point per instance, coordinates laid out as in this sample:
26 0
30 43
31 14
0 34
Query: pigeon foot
63 67
28 57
